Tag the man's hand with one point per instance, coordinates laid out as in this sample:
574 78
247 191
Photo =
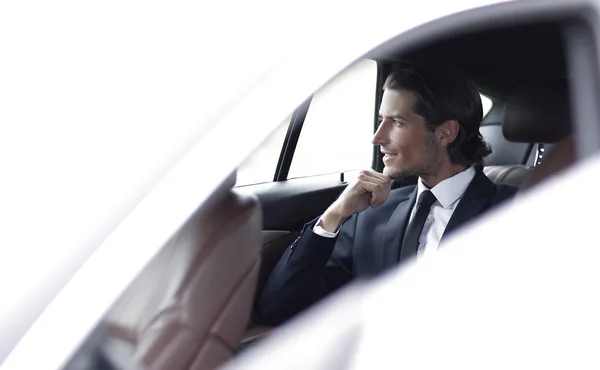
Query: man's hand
370 189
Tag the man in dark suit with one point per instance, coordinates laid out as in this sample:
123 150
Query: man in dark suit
429 127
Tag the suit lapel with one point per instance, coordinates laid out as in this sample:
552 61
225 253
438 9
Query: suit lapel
394 230
474 201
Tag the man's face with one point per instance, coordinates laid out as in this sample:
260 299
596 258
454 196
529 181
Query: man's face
409 147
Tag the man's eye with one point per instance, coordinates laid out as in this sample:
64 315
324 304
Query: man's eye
398 123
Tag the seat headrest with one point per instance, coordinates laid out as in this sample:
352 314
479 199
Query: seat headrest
537 113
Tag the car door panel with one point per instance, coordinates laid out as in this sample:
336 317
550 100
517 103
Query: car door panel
286 206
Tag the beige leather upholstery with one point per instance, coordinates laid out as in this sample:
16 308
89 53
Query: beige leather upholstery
514 175
191 305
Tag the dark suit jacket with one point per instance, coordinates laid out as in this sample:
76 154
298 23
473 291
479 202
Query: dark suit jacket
367 244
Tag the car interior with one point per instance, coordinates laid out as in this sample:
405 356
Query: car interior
192 306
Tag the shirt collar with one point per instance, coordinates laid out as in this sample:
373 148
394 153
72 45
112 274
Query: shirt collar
447 192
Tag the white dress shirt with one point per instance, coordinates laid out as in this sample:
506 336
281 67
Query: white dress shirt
448 194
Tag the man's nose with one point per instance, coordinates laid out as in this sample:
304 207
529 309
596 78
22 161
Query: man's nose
380 137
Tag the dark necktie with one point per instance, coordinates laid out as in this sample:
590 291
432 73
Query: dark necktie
414 229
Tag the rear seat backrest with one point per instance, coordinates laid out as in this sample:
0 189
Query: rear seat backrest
189 308
514 175
537 113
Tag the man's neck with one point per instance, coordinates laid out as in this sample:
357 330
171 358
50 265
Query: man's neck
444 173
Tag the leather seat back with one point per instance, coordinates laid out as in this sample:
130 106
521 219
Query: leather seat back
514 175
540 113
190 306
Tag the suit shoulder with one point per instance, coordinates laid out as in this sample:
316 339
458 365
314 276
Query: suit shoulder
504 192
402 192
506 189
396 197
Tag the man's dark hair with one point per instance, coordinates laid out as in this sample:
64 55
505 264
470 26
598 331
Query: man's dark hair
442 95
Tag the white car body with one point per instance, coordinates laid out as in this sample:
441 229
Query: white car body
133 92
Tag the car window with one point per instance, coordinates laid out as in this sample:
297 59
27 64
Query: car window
487 104
260 166
338 127
336 133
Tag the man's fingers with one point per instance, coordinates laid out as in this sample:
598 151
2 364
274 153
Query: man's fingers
375 175
380 195
377 188
376 197
377 184
379 192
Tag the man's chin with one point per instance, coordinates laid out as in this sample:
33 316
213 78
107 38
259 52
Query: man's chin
395 173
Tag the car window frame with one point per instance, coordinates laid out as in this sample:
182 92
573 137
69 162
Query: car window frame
294 130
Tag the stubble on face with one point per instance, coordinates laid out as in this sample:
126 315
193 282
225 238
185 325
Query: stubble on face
426 166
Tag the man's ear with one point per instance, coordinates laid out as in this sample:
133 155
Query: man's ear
448 131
